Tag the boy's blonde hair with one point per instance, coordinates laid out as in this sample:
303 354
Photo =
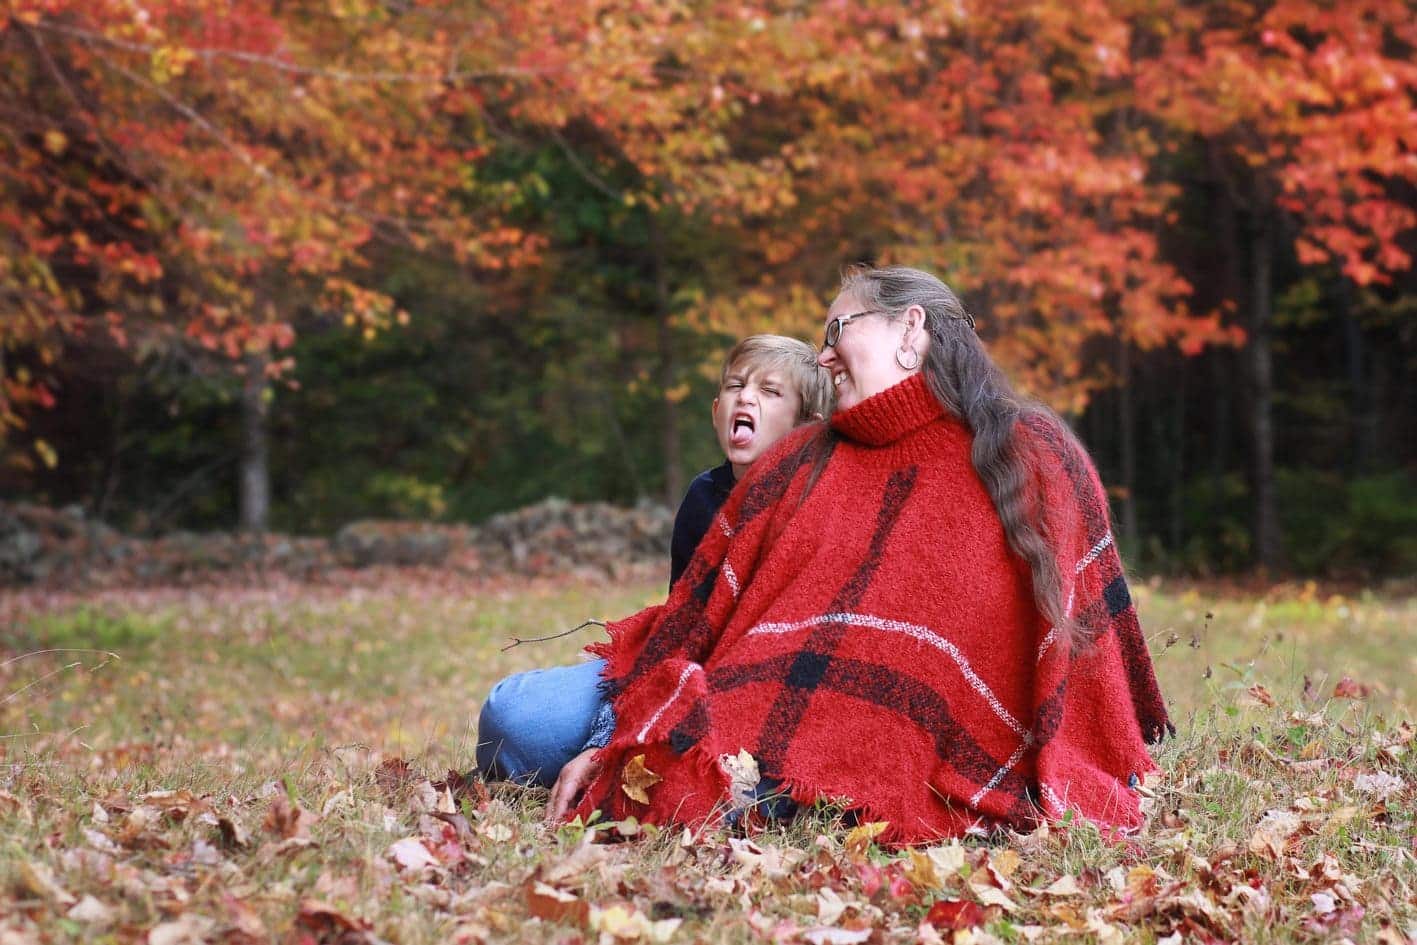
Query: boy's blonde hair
796 359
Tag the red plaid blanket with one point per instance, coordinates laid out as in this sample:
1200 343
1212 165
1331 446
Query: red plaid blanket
875 641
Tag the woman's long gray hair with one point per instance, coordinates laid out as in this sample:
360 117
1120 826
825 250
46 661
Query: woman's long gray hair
970 385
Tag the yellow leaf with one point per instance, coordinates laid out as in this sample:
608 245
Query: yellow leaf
861 836
55 141
46 453
920 871
636 780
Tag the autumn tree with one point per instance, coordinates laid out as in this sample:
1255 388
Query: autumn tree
1302 116
207 173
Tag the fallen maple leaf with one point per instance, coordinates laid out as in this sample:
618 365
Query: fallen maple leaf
468 787
628 923
410 854
577 864
394 775
187 929
1350 688
743 778
247 928
287 820
1261 696
1066 885
956 914
1272 833
328 924
38 880
835 936
636 779
554 905
233 834
859 838
91 911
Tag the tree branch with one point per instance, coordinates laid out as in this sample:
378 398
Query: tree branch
518 641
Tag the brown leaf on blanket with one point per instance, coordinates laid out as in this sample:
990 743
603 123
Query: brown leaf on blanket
636 780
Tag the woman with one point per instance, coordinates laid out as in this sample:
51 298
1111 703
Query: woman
916 608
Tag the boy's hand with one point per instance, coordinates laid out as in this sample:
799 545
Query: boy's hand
578 773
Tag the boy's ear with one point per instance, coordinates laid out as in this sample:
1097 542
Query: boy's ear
713 410
817 416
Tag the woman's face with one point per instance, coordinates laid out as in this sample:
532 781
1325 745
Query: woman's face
863 360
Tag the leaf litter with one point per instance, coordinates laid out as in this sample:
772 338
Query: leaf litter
1280 821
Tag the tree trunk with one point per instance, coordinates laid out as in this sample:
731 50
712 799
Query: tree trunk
1177 530
1259 360
255 445
1361 416
1126 430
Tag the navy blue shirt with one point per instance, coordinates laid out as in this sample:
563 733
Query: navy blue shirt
705 496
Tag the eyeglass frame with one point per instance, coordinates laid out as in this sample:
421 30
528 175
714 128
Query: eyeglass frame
841 321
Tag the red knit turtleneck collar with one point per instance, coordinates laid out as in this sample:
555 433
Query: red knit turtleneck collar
886 417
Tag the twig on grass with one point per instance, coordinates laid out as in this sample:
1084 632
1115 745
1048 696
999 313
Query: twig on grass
109 655
518 641
24 656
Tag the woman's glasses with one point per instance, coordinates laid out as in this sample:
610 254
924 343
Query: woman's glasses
835 326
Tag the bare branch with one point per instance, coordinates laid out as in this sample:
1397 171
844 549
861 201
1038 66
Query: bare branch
518 641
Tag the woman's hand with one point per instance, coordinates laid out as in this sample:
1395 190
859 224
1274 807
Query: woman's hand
574 777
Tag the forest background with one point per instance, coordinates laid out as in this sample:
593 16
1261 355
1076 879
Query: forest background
282 265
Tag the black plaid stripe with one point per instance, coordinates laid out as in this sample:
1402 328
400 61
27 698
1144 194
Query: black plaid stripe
685 631
780 725
1096 517
768 489
1049 715
913 699
1116 598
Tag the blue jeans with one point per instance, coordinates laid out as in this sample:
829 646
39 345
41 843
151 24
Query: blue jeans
534 722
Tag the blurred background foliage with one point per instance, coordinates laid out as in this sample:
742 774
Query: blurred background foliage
553 241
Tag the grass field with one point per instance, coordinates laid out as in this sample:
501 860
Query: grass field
206 766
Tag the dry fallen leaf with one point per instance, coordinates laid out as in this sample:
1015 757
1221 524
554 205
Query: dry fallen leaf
38 880
91 911
1259 695
830 906
187 929
1066 885
627 923
1273 832
410 854
835 936
636 780
287 820
743 778
859 838
956 914
555 905
576 865
328 924
1350 688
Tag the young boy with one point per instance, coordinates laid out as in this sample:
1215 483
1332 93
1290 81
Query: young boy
534 723
769 384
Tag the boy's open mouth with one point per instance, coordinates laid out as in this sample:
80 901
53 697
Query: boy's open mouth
743 430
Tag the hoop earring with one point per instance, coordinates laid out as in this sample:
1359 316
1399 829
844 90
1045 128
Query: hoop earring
914 359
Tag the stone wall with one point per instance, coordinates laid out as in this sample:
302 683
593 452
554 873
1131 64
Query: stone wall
63 548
